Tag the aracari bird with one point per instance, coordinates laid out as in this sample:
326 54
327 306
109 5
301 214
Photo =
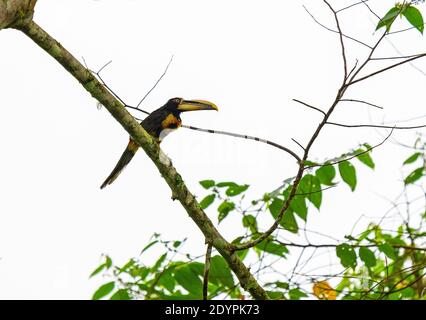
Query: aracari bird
159 124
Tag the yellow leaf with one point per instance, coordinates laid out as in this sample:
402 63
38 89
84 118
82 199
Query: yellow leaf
322 290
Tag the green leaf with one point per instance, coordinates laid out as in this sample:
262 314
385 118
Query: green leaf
348 173
207 201
97 270
296 294
365 158
149 245
207 184
226 184
367 256
298 204
127 266
189 279
412 158
414 176
365 234
108 262
220 273
235 190
103 290
282 285
121 294
269 246
308 163
275 295
249 221
288 221
197 267
141 272
408 293
224 209
388 19
159 262
275 207
414 17
388 250
177 243
310 185
326 174
167 281
347 255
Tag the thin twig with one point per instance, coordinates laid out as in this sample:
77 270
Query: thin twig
103 67
353 156
137 108
245 136
376 126
366 60
207 271
342 44
353 68
350 6
371 10
361 101
386 69
309 106
323 245
395 58
156 83
297 142
334 31
403 30
340 92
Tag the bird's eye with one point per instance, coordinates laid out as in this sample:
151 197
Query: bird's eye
177 100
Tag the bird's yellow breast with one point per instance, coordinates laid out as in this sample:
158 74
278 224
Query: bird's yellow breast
171 122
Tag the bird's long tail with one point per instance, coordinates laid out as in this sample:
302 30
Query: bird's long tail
125 158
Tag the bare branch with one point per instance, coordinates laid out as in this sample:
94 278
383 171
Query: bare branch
386 69
353 156
342 44
156 83
334 31
367 60
297 142
103 67
376 126
403 30
207 271
353 68
371 10
361 101
350 6
309 106
395 58
329 245
245 136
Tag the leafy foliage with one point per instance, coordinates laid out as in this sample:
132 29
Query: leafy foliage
407 10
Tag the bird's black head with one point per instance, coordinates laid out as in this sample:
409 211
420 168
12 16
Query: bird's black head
178 105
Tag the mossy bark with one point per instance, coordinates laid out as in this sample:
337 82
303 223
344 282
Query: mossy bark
118 111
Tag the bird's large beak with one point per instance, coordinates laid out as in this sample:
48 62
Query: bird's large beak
192 105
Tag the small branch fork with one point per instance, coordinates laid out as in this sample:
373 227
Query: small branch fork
350 78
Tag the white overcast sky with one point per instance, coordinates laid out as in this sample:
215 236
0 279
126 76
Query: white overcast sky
249 57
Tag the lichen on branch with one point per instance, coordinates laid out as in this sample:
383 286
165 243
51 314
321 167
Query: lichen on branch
18 14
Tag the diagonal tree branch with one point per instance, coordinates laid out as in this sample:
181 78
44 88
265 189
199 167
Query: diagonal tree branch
147 143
